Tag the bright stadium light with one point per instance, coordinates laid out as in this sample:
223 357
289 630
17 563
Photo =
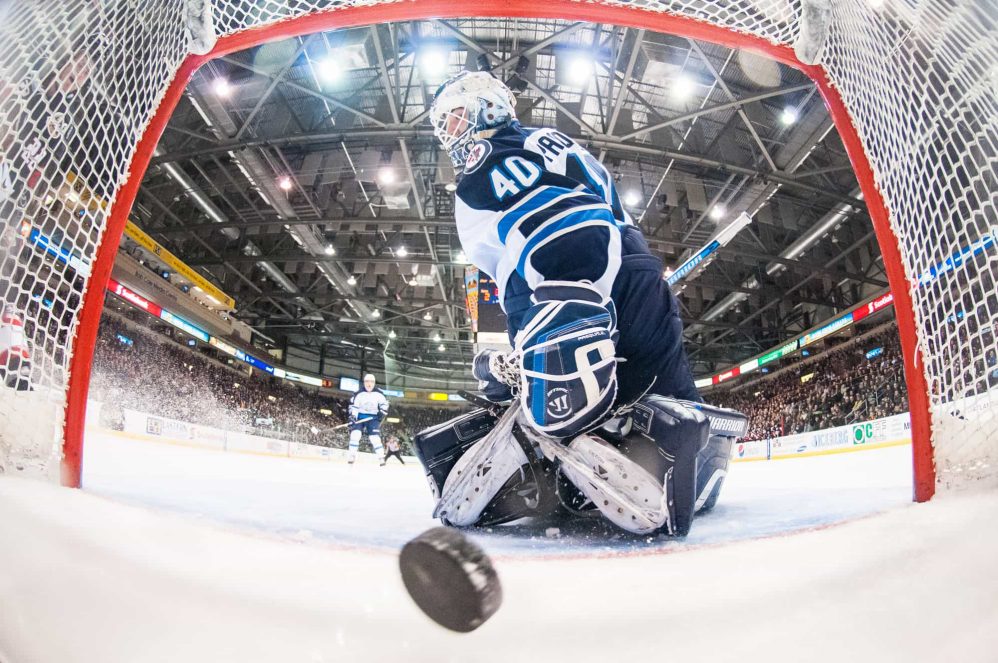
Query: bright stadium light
450 186
433 62
580 69
375 314
461 258
392 334
682 87
352 280
329 70
632 198
401 252
717 212
441 347
222 87
285 183
427 316
436 337
386 176
788 116
330 250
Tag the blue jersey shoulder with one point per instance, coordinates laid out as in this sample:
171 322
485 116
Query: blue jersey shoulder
499 169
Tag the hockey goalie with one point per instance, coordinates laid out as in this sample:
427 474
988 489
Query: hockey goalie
594 411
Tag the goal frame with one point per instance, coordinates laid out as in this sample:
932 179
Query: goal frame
407 10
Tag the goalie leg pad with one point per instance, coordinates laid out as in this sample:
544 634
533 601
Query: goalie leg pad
679 431
479 474
726 426
627 495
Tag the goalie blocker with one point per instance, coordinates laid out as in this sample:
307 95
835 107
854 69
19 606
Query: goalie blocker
686 446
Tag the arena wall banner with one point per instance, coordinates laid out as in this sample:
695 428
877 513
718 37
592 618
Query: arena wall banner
178 265
885 432
152 427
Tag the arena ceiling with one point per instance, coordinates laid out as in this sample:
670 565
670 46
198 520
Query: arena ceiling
302 176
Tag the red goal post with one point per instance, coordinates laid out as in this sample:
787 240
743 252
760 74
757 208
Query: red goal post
858 52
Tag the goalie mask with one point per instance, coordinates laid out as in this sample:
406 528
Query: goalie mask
465 106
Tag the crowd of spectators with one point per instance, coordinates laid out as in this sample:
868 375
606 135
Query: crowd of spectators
138 369
838 388
151 373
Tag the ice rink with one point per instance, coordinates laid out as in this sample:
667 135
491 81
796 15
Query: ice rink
173 553
366 506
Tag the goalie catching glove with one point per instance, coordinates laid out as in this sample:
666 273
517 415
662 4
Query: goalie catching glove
566 351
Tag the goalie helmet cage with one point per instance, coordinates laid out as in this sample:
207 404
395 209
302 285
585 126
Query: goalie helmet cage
87 89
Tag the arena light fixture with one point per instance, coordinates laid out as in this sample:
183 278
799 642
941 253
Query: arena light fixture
285 183
375 314
427 316
632 198
329 70
433 62
717 212
222 87
330 250
352 280
441 347
401 252
392 334
386 176
450 186
436 337
788 116
461 258
580 69
682 87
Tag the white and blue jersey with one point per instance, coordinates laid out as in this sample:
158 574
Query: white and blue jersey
533 206
367 409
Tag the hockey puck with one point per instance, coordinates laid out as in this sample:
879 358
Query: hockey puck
451 579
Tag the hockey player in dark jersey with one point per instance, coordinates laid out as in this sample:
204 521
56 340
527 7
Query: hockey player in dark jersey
594 327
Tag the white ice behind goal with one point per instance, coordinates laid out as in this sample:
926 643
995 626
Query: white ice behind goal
86 87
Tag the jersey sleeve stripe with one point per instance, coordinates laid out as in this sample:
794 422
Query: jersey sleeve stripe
581 218
543 198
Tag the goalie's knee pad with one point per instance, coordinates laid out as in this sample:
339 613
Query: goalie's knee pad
519 487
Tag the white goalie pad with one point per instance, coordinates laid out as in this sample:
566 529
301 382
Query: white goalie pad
624 492
480 474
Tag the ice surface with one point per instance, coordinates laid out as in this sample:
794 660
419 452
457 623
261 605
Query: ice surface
87 578
383 507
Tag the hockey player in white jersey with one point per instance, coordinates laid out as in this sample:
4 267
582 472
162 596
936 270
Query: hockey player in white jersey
368 407
596 332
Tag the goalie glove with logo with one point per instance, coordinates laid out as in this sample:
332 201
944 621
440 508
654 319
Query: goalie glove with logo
568 365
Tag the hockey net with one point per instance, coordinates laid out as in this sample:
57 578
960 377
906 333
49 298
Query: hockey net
86 87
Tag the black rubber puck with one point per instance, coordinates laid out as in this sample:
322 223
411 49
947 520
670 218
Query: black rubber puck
451 579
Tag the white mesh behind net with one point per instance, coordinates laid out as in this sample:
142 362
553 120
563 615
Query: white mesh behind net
79 82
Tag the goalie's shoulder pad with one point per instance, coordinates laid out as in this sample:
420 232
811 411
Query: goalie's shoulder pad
568 379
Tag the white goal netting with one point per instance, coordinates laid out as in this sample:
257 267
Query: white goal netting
80 80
